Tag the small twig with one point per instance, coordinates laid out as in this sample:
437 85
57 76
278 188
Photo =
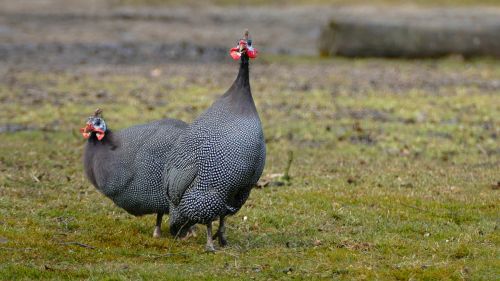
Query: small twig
157 256
286 175
179 231
176 237
413 207
421 210
78 244
16 249
230 254
34 177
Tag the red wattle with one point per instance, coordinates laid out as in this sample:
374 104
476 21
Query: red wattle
99 134
86 135
85 131
252 53
235 53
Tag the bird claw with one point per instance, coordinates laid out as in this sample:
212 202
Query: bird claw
222 241
190 233
157 232
210 248
220 238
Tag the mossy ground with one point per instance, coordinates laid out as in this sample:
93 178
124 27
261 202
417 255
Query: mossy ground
395 174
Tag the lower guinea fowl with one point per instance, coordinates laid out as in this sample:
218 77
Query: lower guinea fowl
218 158
127 166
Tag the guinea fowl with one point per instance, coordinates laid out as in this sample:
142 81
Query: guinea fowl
127 166
218 158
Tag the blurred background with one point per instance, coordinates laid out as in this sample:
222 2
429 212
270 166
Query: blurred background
155 31
390 109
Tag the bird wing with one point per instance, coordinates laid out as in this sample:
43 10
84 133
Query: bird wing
178 180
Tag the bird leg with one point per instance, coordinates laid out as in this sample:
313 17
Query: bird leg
221 233
190 233
157 231
210 241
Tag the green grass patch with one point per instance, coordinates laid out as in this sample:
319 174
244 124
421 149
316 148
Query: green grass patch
389 181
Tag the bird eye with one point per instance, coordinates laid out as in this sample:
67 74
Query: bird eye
97 122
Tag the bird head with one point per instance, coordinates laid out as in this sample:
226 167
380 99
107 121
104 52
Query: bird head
244 47
95 124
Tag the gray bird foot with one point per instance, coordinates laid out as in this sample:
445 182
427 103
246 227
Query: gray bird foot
192 231
210 243
157 232
209 248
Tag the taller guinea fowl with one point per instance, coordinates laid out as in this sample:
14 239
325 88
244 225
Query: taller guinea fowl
218 158
127 166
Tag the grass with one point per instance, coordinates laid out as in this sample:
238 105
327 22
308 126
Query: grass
390 181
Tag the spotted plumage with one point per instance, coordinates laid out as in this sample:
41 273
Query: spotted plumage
198 172
216 161
127 166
